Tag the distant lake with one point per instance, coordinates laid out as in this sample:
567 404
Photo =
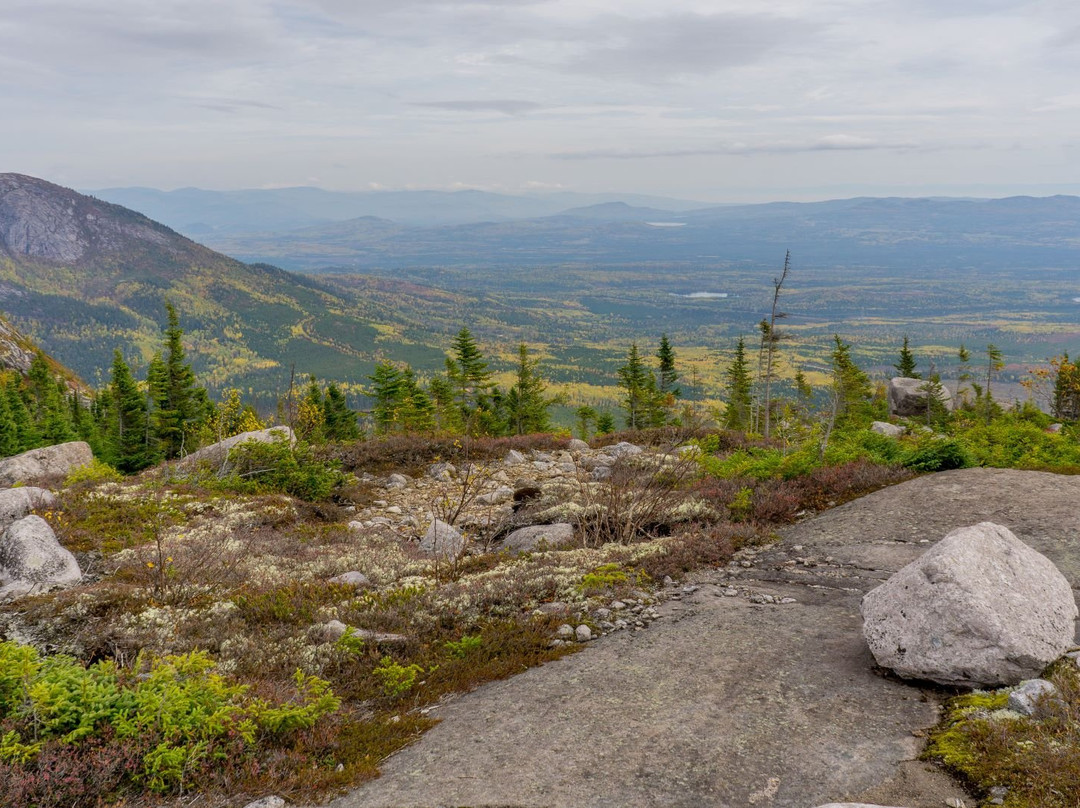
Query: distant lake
666 224
704 295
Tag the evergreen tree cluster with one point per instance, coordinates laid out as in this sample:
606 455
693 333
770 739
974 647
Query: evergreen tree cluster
649 396
463 398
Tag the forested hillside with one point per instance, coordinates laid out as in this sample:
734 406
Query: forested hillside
84 277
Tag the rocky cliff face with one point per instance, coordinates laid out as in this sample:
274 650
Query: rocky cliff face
43 221
16 351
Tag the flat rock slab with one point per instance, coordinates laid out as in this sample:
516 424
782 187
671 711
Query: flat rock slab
727 703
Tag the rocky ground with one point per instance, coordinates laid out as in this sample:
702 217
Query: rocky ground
752 687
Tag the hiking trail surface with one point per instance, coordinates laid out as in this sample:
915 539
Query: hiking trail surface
729 701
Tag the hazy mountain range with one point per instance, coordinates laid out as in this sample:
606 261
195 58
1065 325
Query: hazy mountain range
311 230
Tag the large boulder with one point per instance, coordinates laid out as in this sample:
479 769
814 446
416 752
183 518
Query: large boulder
217 454
907 397
979 609
48 462
15 503
32 560
526 539
443 540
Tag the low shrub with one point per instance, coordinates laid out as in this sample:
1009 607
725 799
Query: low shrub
166 721
277 467
413 453
938 454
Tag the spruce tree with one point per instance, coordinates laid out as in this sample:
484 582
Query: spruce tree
906 366
388 391
634 379
9 434
418 410
668 373
526 406
469 374
340 421
179 407
851 386
26 431
739 390
126 444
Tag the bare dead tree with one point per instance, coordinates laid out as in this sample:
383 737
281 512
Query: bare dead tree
770 337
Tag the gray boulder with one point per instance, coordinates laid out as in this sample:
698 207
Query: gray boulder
45 463
889 430
978 609
1035 697
577 445
217 454
397 481
500 495
443 540
443 472
32 560
514 458
622 449
351 578
907 397
526 539
15 503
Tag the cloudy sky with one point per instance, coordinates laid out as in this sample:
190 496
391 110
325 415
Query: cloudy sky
720 100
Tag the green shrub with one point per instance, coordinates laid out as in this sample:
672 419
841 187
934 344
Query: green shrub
176 706
466 645
92 473
277 467
396 679
938 454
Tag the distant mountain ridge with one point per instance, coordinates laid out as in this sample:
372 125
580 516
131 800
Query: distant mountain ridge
197 212
83 277
863 231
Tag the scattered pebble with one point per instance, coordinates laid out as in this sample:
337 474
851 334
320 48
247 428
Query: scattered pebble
583 633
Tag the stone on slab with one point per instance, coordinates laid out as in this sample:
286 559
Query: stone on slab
979 609
1034 697
217 454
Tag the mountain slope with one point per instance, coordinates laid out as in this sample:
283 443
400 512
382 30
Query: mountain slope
84 276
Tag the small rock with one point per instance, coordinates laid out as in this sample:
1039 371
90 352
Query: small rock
887 429
397 481
564 632
583 633
998 795
394 509
16 503
526 539
607 625
623 449
603 613
443 540
444 472
669 581
379 503
503 493
786 601
269 802
731 592
576 445
1034 697
618 605
351 578
556 608
600 473
514 458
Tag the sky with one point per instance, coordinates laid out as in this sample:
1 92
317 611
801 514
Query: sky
718 100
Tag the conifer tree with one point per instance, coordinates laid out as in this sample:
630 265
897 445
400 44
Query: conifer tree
639 388
418 410
388 392
668 372
126 441
468 373
26 431
739 390
605 423
851 386
906 366
310 416
526 405
340 421
179 406
9 434
586 418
